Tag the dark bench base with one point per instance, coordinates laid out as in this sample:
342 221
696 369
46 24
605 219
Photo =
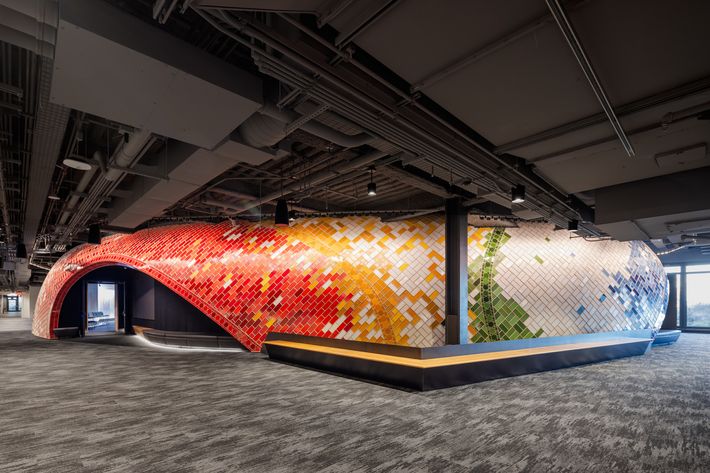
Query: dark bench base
67 332
424 369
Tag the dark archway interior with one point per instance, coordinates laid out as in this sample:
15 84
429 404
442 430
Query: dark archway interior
142 301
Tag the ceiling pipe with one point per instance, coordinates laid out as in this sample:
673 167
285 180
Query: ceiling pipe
405 128
317 129
418 213
235 207
437 153
522 173
434 154
314 179
270 125
128 154
243 196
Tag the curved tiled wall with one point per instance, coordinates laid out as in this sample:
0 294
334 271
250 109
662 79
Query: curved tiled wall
533 281
363 279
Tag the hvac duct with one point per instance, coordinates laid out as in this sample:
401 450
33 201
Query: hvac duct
127 154
270 125
261 131
29 25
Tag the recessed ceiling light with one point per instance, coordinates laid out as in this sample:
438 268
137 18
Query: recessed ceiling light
77 163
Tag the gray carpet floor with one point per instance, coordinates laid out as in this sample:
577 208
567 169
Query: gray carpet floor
71 407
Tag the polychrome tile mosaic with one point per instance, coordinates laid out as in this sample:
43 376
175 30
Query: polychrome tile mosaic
359 278
355 278
533 281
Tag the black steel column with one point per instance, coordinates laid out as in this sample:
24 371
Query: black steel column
456 273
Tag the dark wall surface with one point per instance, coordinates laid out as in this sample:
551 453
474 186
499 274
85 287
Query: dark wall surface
147 303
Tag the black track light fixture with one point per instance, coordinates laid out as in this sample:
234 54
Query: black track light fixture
371 186
21 251
517 194
94 234
281 215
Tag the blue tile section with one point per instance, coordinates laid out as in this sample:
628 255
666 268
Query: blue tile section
642 291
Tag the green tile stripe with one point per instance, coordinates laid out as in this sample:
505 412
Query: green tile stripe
499 318
486 294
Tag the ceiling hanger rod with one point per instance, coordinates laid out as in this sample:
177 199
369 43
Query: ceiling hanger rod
578 50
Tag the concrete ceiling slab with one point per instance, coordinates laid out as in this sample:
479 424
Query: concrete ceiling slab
438 33
639 47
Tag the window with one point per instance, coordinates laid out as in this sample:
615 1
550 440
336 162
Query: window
698 298
672 269
697 268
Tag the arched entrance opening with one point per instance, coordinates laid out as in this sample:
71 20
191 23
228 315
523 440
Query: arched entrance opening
117 299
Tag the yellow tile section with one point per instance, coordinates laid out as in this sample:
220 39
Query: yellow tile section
388 274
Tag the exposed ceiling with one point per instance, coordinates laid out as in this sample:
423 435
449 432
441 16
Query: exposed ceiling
207 109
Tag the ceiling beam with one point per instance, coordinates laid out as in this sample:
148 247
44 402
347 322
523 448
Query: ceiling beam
667 195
